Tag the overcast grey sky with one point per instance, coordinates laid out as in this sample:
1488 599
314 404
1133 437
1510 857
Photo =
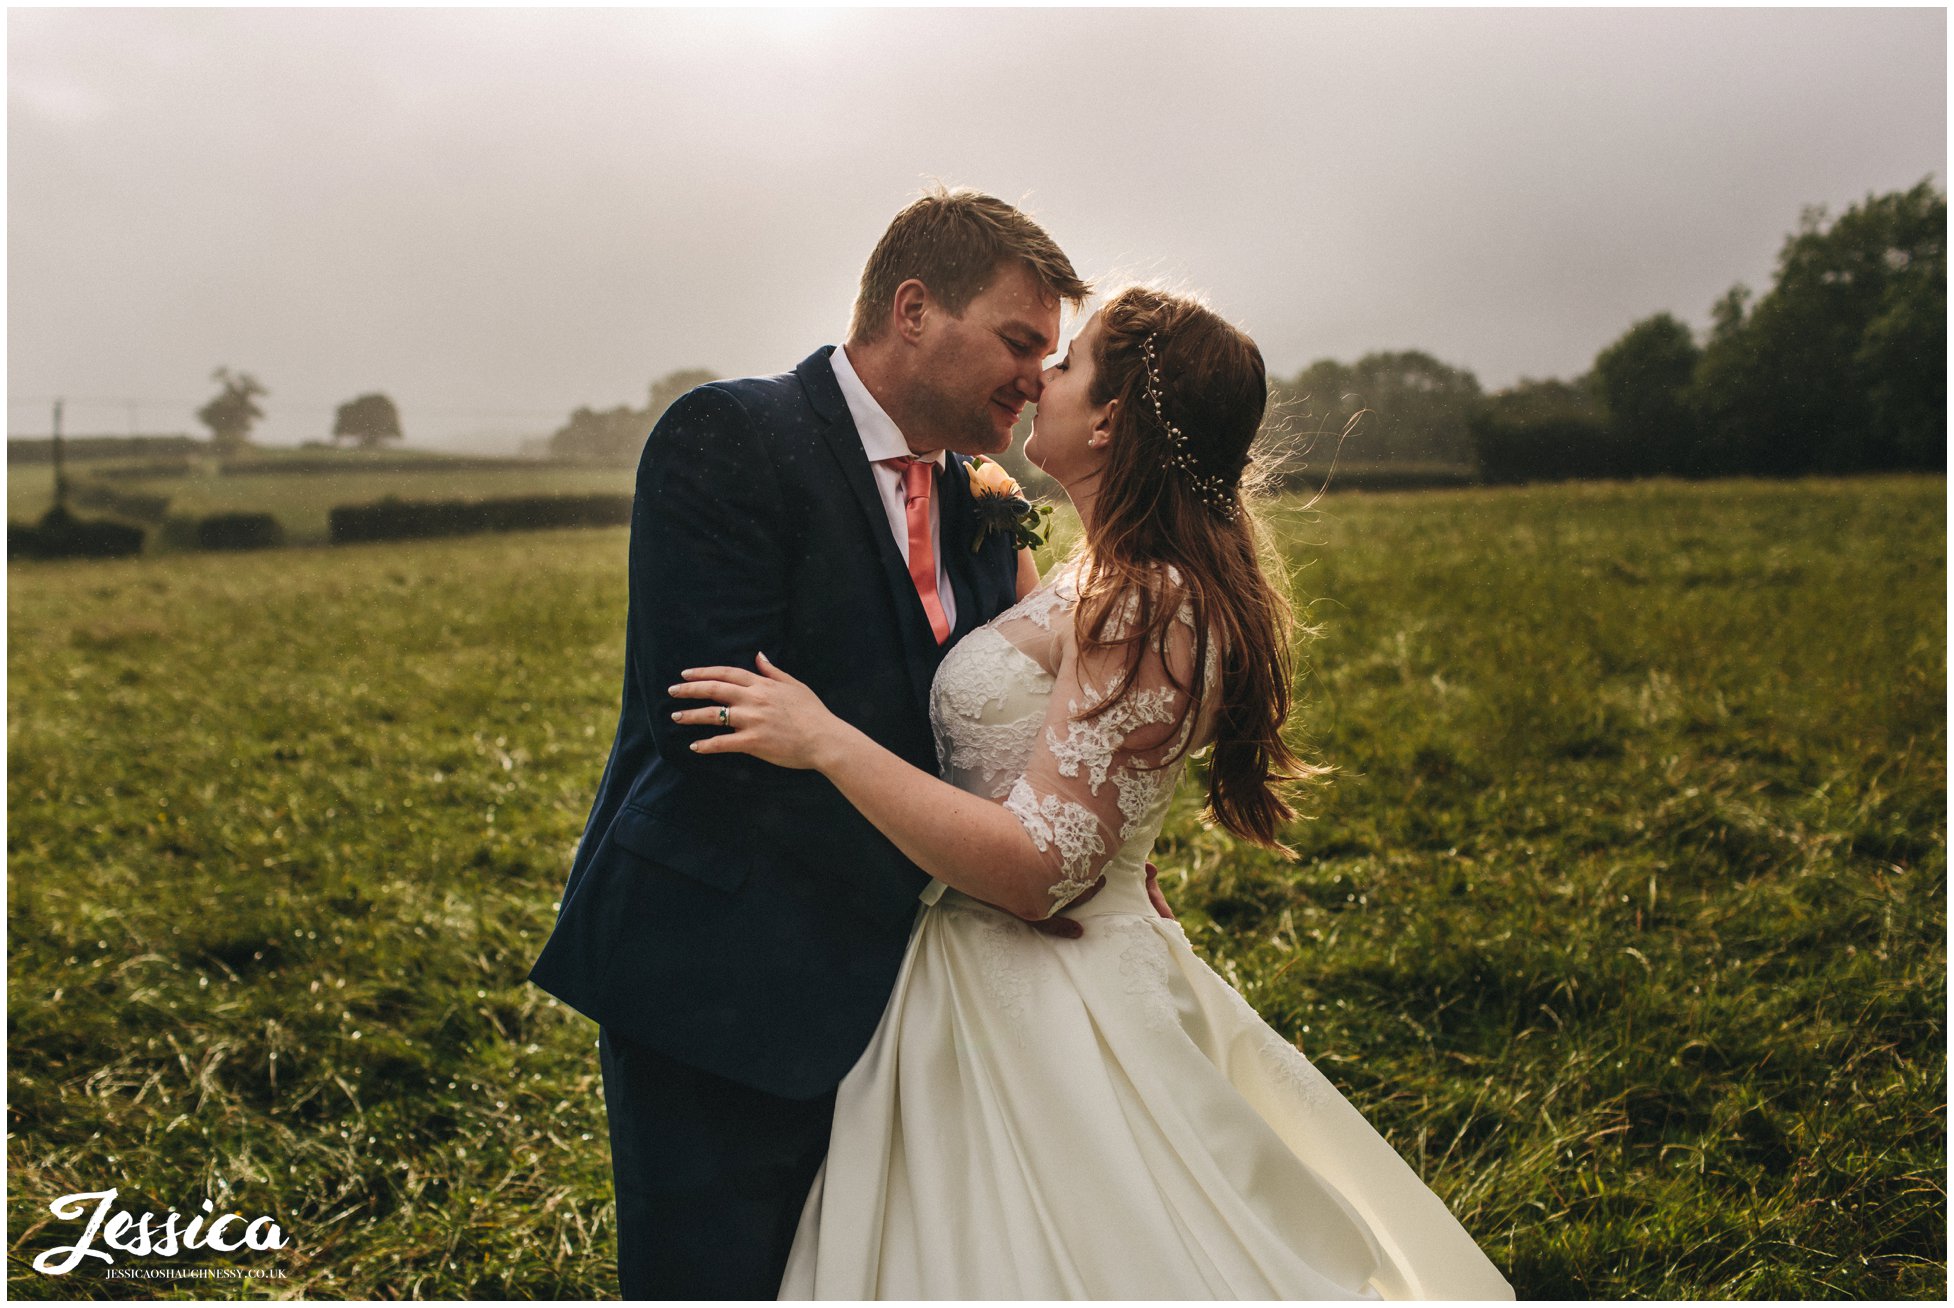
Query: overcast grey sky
498 215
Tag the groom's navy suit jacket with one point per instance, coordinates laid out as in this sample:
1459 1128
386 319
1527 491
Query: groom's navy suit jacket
736 916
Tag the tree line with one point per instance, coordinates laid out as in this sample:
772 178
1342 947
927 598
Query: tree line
1838 367
617 435
614 435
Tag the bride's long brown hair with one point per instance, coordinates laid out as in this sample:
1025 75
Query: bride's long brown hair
1151 511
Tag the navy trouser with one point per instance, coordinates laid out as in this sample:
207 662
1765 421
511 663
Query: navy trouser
710 1175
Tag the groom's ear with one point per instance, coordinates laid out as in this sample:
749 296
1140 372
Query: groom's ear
911 303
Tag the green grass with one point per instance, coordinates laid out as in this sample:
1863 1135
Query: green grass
1624 918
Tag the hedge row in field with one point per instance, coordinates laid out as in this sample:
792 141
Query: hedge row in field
224 531
61 535
40 449
147 470
343 464
396 519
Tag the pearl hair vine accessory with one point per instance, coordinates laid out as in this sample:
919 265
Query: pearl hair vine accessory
1213 490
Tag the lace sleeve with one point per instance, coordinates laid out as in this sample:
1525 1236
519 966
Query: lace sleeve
1092 779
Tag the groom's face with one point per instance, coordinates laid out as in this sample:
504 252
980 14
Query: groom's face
979 369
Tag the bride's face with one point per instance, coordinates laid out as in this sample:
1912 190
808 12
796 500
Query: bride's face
1069 432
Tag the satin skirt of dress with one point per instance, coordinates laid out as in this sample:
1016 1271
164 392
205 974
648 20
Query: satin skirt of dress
1105 1118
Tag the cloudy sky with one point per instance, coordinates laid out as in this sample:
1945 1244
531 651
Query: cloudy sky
498 215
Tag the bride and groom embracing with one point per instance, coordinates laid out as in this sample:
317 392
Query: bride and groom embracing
889 1005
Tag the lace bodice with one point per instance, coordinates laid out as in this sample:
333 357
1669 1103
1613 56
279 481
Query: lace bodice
1091 794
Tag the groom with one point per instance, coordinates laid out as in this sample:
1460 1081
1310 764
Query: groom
733 927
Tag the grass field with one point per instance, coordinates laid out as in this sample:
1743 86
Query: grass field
1624 919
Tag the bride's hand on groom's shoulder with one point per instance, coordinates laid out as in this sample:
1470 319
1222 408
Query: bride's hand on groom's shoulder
767 714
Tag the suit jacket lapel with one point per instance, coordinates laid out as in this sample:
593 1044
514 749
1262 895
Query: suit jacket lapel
845 443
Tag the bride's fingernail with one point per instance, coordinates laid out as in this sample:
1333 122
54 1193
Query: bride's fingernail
675 716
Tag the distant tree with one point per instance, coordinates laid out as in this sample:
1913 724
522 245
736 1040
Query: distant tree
367 421
1727 314
1539 399
1643 381
674 384
1726 371
618 435
1418 407
601 435
1544 431
1840 366
233 411
1903 357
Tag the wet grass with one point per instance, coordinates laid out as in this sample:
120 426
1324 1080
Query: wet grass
1624 918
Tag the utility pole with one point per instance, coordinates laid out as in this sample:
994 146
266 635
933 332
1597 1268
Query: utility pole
60 472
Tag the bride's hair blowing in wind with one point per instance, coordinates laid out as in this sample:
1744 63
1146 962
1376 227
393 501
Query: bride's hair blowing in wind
1192 390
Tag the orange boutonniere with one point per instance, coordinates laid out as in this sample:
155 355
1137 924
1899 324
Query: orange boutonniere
1002 507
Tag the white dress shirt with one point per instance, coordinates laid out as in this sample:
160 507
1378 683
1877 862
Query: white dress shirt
882 439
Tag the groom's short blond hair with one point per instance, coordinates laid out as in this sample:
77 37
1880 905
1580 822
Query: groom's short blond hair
953 241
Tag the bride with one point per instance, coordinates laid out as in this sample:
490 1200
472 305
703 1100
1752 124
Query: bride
1102 1116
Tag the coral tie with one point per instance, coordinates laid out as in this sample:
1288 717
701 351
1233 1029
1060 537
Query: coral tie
918 482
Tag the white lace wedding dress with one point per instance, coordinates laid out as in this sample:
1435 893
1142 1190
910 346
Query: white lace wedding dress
1105 1118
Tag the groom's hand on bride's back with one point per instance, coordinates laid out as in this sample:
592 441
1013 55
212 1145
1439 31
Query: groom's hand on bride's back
1066 928
1158 900
1071 929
